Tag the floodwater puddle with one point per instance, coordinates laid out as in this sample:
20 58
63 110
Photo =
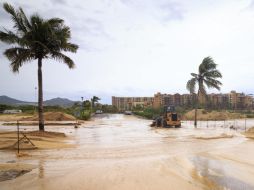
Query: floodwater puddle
217 173
12 174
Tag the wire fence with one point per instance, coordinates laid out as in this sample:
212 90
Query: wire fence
234 124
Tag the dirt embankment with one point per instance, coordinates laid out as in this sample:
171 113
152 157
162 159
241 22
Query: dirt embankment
51 116
48 116
212 115
14 117
39 139
250 133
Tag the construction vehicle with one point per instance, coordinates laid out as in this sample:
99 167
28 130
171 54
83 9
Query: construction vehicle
128 113
169 118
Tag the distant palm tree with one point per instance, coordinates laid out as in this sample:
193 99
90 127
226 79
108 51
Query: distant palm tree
36 39
94 100
207 76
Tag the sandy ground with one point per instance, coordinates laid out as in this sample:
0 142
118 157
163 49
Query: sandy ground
14 117
123 152
51 118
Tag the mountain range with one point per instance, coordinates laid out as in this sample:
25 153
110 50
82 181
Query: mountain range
64 102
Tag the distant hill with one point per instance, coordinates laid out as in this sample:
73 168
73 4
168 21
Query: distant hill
64 102
11 101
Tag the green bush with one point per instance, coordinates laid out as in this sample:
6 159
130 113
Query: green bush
204 112
250 115
149 113
85 115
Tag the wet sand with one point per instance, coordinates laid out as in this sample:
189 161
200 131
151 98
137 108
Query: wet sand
30 140
123 152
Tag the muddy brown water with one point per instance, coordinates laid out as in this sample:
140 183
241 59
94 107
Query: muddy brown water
124 152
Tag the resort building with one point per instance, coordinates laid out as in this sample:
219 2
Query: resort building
129 103
240 100
232 100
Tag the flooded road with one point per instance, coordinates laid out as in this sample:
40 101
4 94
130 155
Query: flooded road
124 152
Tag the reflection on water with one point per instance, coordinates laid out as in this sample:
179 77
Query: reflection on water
220 173
41 169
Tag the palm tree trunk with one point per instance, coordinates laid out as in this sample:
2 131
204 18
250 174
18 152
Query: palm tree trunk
195 119
196 109
40 96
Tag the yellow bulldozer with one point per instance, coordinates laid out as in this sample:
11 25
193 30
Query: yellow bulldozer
169 118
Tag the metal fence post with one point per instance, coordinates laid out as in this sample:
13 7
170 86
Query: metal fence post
245 124
18 134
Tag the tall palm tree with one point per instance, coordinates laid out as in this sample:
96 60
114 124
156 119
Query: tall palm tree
36 39
94 100
207 76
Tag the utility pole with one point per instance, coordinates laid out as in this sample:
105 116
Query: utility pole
18 134
35 97
82 102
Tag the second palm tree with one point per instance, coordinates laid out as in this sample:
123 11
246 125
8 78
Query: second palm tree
207 76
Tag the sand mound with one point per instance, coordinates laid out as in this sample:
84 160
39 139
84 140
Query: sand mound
250 130
14 117
41 140
250 133
52 116
222 136
213 115
46 134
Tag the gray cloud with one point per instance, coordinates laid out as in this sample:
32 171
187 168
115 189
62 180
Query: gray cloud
127 2
61 2
172 11
94 28
251 5
161 10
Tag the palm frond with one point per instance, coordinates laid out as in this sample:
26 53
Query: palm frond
213 74
18 56
17 17
10 38
191 85
55 21
70 47
36 21
62 32
24 18
206 65
212 83
194 75
61 57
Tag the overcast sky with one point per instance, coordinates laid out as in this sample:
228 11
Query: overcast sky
138 47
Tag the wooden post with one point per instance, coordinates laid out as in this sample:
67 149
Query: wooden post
18 134
245 124
195 119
